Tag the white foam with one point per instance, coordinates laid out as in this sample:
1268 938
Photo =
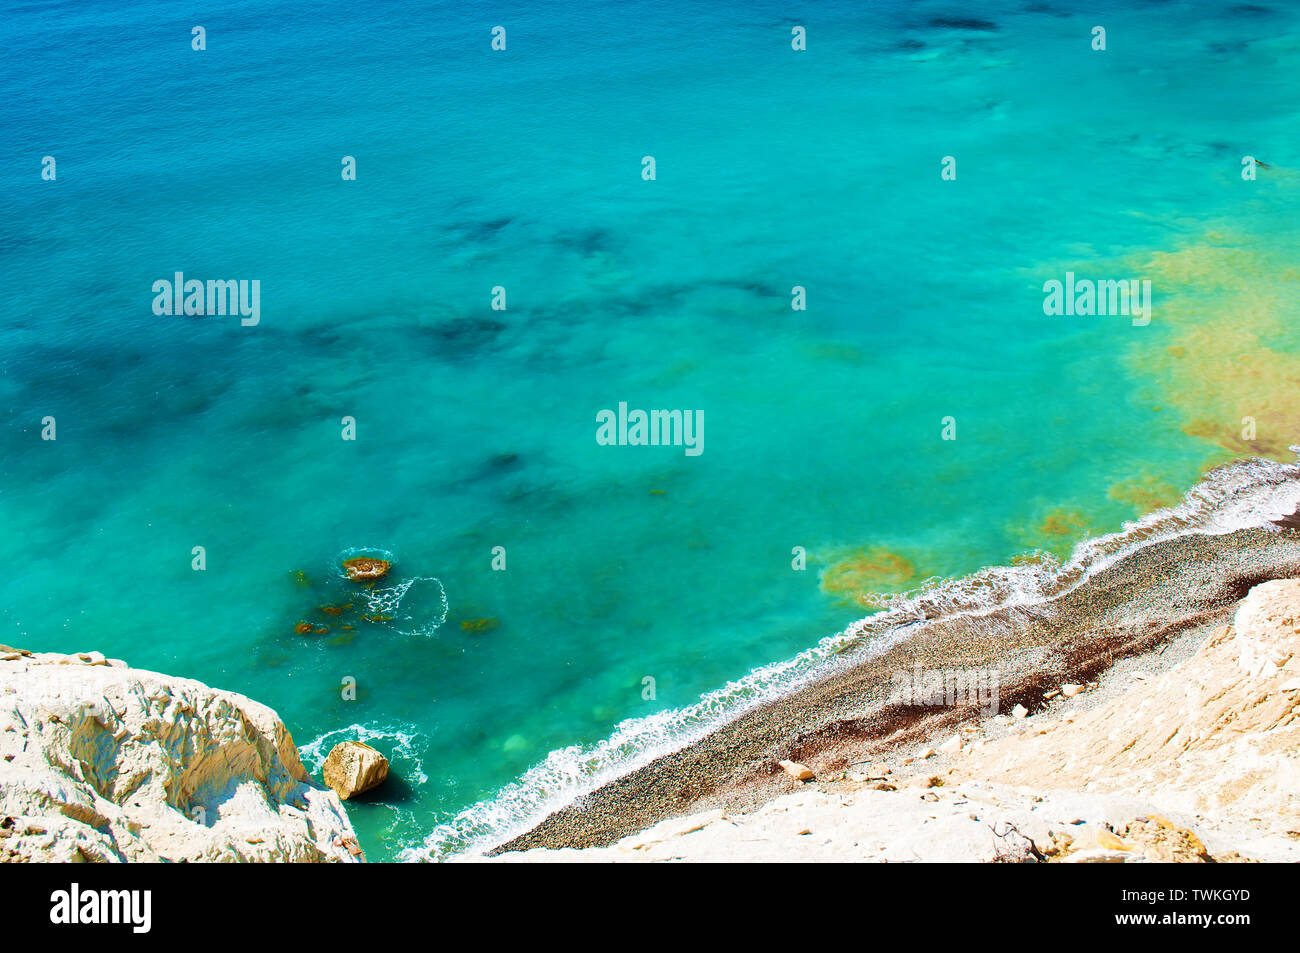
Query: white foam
388 601
396 742
1243 495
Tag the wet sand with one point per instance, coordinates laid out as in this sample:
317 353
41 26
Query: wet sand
1142 604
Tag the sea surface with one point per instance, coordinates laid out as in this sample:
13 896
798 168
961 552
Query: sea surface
646 592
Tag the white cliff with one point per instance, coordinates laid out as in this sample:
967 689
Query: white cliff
102 762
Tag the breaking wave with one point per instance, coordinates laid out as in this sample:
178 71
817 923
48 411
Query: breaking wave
1246 494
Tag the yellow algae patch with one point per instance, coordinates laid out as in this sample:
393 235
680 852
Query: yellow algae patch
1226 352
1061 524
1220 261
867 576
1036 558
1145 494
1056 534
1277 434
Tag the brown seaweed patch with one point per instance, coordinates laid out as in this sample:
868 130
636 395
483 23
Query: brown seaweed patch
1063 524
868 576
1145 494
366 568
1274 433
1055 534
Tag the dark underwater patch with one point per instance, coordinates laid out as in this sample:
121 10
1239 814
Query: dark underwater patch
974 24
479 231
1228 47
464 336
588 241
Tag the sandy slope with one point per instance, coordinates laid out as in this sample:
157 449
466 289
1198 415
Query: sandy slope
1200 761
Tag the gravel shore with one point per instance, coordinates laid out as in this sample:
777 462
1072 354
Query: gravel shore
1148 610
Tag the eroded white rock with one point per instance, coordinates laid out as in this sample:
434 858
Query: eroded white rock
102 762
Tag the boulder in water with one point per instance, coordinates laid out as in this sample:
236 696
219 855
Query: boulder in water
353 768
366 568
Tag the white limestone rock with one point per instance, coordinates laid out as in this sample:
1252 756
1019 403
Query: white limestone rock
102 762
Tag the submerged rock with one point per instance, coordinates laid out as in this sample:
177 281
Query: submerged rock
353 768
963 23
102 762
366 568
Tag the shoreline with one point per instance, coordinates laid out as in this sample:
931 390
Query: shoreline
1151 603
997 604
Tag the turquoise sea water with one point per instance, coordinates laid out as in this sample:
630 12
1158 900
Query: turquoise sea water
476 428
